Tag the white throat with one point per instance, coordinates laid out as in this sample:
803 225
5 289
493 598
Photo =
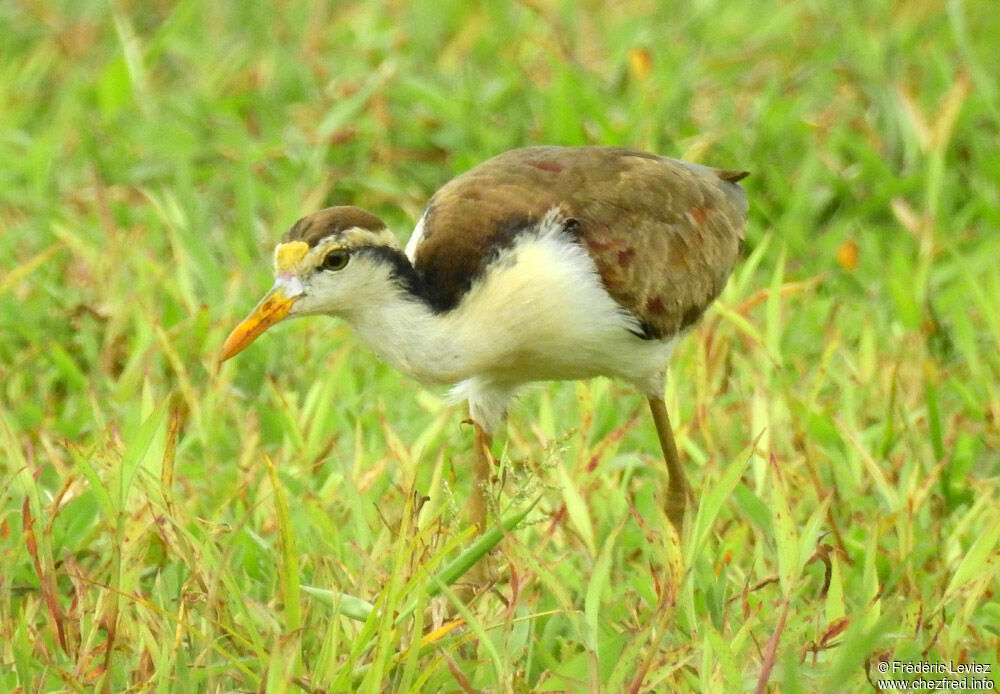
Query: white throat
406 334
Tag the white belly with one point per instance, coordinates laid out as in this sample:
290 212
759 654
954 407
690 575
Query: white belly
549 318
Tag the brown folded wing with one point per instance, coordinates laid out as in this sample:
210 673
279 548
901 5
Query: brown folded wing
663 234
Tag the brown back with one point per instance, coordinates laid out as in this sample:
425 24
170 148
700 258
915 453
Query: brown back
664 234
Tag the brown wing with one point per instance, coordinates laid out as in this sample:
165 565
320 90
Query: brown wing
664 234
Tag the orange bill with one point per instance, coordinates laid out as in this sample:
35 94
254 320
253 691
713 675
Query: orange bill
275 306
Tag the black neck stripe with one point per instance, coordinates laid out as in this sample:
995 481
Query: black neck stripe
402 272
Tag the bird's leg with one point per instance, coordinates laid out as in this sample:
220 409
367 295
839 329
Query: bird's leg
678 489
482 574
482 471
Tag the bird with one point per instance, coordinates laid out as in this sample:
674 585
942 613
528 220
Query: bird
543 263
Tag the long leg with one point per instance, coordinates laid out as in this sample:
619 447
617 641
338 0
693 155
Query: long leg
482 574
678 489
482 471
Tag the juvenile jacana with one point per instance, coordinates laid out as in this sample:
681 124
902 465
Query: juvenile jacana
543 263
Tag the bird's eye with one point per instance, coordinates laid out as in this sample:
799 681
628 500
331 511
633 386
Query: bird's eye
336 260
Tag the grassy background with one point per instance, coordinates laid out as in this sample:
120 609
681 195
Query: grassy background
838 409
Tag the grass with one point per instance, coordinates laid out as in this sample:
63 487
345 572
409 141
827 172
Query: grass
292 521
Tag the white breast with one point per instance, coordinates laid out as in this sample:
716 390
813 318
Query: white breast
541 313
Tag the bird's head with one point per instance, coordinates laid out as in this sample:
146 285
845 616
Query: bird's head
331 262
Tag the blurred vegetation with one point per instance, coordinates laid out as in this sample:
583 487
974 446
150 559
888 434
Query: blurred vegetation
838 408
